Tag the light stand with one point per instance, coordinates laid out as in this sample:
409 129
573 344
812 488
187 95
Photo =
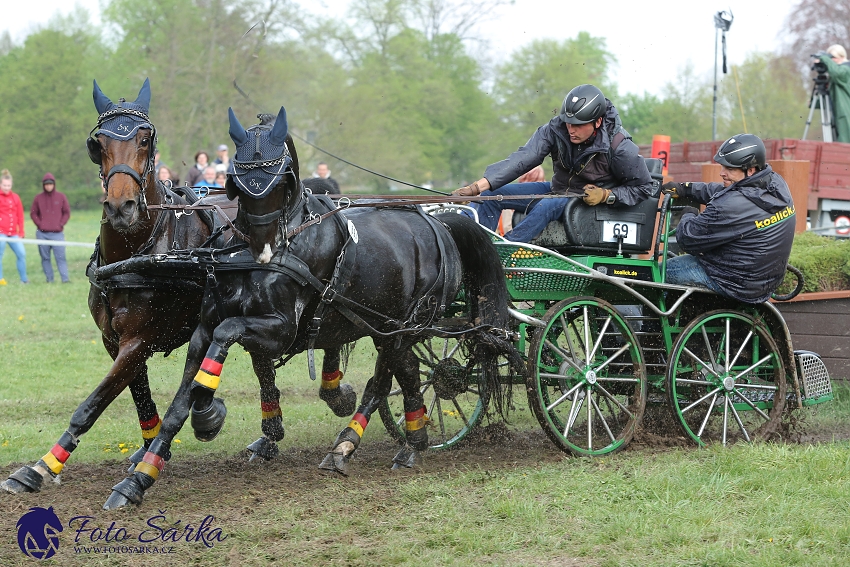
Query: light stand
722 23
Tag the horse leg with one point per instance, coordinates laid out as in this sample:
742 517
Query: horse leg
272 422
130 356
132 489
405 367
341 398
377 389
149 419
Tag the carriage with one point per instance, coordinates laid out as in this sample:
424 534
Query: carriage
604 337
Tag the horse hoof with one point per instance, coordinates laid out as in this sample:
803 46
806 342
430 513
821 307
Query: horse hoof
263 447
25 479
407 458
335 463
208 423
342 402
126 492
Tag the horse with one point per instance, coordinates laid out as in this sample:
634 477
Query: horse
139 316
314 276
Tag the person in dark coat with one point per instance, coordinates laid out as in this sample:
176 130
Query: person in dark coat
593 157
739 245
50 213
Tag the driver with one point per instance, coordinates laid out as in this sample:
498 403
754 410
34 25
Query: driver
739 245
593 157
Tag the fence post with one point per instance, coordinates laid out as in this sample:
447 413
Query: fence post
796 175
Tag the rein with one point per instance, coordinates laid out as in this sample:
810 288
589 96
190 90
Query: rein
216 208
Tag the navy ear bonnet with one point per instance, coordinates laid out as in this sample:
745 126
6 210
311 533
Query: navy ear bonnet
262 158
121 121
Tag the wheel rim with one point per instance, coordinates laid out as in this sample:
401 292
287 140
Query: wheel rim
454 408
726 379
587 381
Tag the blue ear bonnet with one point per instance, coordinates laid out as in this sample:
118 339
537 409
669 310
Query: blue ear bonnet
260 163
122 120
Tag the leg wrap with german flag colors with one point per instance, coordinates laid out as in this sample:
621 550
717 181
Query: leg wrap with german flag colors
132 489
415 428
346 443
341 398
272 423
54 461
208 412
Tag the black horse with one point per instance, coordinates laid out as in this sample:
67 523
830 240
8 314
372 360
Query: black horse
313 276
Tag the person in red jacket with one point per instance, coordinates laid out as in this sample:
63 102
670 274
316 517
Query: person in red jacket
50 212
11 225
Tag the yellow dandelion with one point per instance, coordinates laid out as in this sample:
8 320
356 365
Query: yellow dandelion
177 440
122 445
124 450
21 318
107 450
6 443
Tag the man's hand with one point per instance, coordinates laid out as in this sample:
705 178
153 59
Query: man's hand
468 190
594 195
672 189
689 211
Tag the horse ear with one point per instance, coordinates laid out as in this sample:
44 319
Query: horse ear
237 132
280 129
101 101
144 98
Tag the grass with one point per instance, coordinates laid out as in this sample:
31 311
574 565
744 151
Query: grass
754 505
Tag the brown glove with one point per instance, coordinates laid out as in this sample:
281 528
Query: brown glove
594 195
468 190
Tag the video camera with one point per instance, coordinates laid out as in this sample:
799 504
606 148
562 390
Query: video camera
818 65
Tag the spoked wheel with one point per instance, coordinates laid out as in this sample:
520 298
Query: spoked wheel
454 389
586 379
726 379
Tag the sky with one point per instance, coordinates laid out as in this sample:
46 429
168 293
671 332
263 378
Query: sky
651 40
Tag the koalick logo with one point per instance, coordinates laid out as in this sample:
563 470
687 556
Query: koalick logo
38 533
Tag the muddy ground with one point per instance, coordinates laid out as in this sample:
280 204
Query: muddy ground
240 495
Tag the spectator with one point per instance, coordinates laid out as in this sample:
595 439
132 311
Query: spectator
223 157
157 164
207 182
835 61
322 172
197 170
220 177
50 212
12 225
164 174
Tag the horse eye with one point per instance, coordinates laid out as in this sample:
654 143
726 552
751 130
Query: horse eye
145 141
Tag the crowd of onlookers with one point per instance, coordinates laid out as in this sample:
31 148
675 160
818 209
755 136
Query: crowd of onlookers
201 173
50 213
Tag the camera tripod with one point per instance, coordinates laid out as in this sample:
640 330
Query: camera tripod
820 97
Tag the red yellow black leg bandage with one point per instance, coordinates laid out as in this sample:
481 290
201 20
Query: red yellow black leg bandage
58 455
150 428
415 420
358 423
330 380
270 409
151 465
210 373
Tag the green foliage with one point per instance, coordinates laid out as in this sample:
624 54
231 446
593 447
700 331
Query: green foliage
824 261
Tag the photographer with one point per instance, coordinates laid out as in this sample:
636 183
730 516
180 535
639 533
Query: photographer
834 61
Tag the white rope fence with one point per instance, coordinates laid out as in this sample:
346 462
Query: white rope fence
47 242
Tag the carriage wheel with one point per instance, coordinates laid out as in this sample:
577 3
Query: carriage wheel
455 394
586 379
726 379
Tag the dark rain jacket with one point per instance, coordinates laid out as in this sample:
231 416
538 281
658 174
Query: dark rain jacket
743 237
594 162
839 91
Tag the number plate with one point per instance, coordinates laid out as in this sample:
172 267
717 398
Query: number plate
612 230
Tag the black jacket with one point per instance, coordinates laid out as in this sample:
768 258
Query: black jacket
622 170
743 238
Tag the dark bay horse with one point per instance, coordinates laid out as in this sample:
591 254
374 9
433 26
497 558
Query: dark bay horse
139 316
313 276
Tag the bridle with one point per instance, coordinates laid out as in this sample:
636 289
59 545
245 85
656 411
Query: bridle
95 153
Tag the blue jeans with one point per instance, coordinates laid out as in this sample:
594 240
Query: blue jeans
540 211
58 253
686 270
20 253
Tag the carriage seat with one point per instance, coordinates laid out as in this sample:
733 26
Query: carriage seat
588 229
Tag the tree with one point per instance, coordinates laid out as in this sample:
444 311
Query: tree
814 25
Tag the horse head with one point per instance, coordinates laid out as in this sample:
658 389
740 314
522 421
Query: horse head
123 145
264 175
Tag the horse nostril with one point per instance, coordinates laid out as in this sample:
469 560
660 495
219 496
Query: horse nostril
128 207
109 208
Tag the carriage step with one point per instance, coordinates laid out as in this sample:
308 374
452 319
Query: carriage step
817 387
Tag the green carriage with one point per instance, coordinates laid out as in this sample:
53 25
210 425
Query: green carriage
604 335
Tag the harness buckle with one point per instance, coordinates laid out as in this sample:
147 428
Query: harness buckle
315 324
328 294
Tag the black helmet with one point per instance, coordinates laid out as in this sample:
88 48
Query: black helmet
583 104
742 152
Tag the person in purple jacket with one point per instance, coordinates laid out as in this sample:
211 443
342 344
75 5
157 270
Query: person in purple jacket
50 212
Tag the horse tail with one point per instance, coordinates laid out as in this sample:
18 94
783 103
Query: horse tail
487 299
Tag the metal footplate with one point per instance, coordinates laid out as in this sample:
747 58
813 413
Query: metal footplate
813 374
